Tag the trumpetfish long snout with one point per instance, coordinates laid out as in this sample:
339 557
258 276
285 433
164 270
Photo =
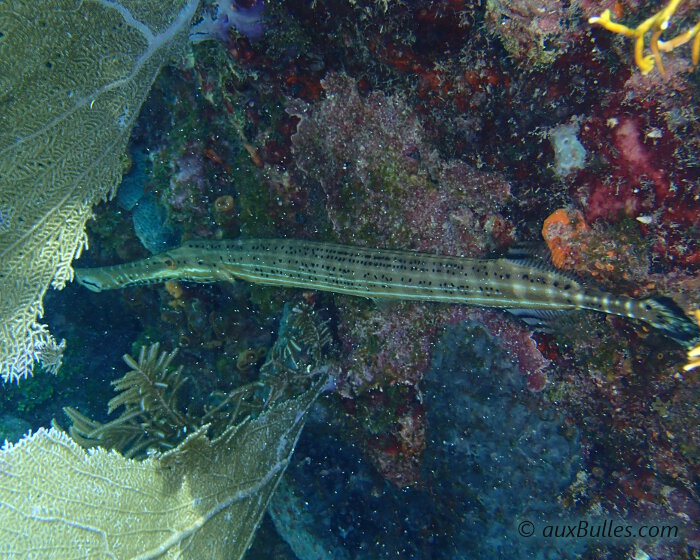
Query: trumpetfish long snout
529 289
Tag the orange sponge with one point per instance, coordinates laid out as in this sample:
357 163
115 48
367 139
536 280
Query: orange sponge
562 233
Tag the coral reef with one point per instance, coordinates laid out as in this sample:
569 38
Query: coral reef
515 457
532 32
189 501
383 181
461 128
491 455
204 477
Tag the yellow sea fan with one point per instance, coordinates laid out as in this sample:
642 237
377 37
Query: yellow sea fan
72 78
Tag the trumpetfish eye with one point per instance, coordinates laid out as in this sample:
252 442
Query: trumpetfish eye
169 263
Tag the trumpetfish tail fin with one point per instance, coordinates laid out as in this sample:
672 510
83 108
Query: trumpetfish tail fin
666 315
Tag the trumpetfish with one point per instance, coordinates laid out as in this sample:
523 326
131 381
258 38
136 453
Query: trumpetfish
525 287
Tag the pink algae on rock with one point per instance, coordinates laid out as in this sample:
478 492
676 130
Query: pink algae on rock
385 185
535 33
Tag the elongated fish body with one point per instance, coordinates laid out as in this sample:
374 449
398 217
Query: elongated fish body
385 274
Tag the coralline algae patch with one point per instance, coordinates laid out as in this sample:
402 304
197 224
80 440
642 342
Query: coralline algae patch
633 409
384 184
640 168
386 351
533 33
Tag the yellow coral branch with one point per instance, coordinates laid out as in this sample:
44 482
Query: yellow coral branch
694 352
657 24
